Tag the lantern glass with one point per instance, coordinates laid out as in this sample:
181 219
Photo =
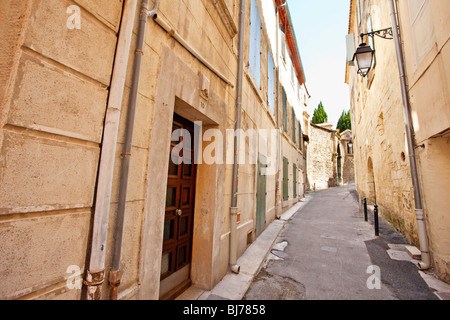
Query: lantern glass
364 57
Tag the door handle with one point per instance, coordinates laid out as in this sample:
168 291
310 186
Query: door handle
179 212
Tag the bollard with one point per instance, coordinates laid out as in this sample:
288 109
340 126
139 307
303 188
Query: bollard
375 217
365 209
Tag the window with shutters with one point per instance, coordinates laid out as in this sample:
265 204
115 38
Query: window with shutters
255 43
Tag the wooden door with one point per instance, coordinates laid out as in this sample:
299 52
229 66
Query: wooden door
179 211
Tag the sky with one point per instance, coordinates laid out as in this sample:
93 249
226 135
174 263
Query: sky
320 28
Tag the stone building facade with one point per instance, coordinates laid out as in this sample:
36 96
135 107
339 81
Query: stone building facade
322 157
66 84
329 157
383 171
346 154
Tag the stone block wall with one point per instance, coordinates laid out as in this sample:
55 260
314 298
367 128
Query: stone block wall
54 84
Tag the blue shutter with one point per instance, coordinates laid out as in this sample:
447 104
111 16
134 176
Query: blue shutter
255 44
271 84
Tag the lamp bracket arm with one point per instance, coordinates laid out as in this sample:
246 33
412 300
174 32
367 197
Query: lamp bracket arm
383 33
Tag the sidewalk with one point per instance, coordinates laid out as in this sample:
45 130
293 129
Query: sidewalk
234 286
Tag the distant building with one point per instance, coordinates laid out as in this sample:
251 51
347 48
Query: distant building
346 163
330 157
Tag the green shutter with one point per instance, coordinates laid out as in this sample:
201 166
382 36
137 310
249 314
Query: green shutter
300 135
295 180
294 136
285 179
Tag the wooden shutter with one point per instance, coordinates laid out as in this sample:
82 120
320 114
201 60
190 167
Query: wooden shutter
271 82
295 180
255 44
285 179
294 136
285 123
300 135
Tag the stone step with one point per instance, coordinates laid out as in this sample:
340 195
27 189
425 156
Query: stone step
414 252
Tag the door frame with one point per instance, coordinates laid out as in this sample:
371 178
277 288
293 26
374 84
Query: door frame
176 92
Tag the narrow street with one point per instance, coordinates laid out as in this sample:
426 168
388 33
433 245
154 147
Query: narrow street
328 252
162 150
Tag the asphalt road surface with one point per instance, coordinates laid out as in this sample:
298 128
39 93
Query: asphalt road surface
328 252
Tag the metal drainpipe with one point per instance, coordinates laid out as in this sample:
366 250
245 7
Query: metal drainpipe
96 270
115 272
235 178
277 176
420 215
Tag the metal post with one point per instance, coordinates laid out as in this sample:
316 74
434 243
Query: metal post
375 218
366 218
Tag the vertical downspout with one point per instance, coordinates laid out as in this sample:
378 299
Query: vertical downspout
96 270
234 188
115 272
279 146
420 216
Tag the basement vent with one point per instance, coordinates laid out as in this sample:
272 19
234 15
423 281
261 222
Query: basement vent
249 237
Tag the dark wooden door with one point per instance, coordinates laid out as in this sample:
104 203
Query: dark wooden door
179 212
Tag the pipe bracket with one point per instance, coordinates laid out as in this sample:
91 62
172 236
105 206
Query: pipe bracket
94 279
115 278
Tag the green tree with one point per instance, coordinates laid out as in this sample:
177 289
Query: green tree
320 116
345 121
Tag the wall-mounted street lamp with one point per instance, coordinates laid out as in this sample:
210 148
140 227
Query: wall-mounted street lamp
364 54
